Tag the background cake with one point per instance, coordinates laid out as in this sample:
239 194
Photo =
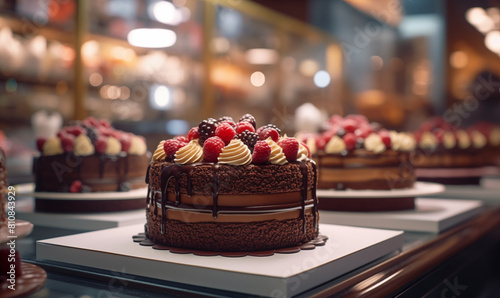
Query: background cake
352 153
454 155
90 156
230 187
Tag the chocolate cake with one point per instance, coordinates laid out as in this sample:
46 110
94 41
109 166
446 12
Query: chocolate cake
454 155
352 153
227 187
90 156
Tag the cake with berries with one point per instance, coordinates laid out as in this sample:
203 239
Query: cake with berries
231 187
454 155
90 156
352 153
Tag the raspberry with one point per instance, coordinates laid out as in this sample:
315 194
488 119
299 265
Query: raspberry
39 144
250 119
242 126
233 125
126 141
67 142
104 123
76 186
290 148
363 131
335 119
182 139
100 144
248 138
269 132
349 125
226 132
212 148
349 140
206 129
439 133
268 126
171 146
261 152
386 138
193 133
360 119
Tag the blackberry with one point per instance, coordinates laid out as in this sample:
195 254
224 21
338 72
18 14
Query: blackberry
248 138
92 133
249 118
124 186
376 126
340 131
206 129
360 142
271 126
225 118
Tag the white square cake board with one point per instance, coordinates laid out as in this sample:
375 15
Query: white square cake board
279 275
84 222
430 215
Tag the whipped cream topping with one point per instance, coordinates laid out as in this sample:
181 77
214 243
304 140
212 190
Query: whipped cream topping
428 140
83 146
463 139
159 153
303 154
236 153
374 143
408 142
113 146
495 136
478 139
449 140
188 154
277 156
311 144
52 146
137 146
335 145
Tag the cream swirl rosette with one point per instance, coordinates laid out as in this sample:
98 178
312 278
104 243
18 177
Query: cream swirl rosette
335 145
374 143
159 153
236 154
83 146
113 146
52 146
277 156
303 154
190 153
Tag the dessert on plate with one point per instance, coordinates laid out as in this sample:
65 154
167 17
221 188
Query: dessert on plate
352 153
231 187
90 156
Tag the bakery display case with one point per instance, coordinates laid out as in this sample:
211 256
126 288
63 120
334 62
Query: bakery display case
237 148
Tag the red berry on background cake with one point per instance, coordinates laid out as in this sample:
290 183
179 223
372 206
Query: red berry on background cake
126 142
350 141
182 139
226 132
104 123
363 131
261 152
206 129
290 148
76 186
67 141
349 125
100 144
248 138
171 146
250 119
242 126
386 138
269 133
39 144
212 148
193 133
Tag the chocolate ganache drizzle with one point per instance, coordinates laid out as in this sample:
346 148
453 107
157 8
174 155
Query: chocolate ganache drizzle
176 171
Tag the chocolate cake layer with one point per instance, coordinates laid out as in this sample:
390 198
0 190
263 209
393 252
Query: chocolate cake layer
452 159
362 169
217 207
214 236
99 172
250 179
